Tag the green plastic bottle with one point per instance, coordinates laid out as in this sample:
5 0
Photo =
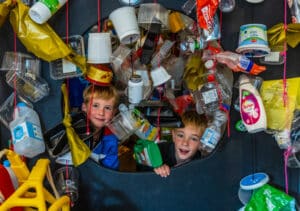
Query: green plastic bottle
147 153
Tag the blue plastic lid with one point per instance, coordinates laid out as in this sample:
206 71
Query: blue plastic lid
21 104
6 163
254 181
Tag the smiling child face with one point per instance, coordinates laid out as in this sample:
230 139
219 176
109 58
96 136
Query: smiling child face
187 142
100 112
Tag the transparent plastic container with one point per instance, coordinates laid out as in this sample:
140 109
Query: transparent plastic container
33 88
26 132
20 62
162 53
123 125
119 56
62 68
7 109
188 6
153 13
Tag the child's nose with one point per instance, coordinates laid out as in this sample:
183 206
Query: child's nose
185 141
101 111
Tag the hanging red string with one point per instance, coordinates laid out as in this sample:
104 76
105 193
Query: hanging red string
220 25
10 144
89 111
67 34
99 16
67 22
15 76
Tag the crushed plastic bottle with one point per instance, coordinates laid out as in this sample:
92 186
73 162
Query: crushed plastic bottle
236 62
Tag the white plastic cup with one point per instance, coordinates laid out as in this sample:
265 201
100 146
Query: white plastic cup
99 48
125 24
42 10
159 76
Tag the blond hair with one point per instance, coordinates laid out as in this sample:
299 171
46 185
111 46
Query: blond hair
191 117
103 92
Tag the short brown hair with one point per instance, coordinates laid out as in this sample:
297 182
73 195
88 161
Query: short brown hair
104 92
191 117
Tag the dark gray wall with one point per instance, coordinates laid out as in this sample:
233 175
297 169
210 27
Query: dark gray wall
209 184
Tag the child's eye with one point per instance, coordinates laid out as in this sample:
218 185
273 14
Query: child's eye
179 135
195 139
95 105
108 108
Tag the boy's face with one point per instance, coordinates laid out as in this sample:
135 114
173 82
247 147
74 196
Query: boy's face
187 142
101 111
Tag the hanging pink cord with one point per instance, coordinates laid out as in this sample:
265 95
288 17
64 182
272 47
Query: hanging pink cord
286 154
285 96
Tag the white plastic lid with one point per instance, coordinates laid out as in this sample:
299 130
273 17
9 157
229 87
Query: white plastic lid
209 64
254 181
39 13
254 1
65 159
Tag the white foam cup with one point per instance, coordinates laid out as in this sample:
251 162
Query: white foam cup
99 48
125 24
159 76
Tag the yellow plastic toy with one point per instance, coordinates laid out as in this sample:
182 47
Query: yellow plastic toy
31 192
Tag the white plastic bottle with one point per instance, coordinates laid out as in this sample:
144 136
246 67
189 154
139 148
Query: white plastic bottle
42 10
252 109
26 132
11 173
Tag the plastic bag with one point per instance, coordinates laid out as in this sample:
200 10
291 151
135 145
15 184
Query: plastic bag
268 198
279 116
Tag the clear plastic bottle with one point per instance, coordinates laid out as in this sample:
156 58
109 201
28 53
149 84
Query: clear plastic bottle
212 133
26 132
11 173
224 80
227 5
236 62
188 6
207 98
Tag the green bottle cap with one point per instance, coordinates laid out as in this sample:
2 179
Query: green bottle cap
239 126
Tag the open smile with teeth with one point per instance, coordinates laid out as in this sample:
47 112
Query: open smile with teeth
184 151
